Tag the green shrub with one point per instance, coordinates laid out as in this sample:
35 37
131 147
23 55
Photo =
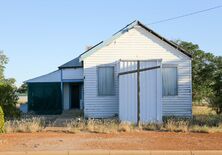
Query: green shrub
2 121
8 100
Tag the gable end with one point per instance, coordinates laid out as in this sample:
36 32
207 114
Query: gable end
124 30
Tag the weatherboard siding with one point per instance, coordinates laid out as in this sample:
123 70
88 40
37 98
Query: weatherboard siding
136 44
72 73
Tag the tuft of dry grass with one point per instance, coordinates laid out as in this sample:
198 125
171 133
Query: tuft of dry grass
176 125
34 124
152 126
125 127
201 129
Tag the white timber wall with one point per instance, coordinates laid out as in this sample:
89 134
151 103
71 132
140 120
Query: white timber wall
136 44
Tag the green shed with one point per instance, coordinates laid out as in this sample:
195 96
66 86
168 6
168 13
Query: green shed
45 98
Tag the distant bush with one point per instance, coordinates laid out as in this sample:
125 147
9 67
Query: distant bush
2 121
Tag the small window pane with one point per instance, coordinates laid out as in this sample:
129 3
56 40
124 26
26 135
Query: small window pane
105 81
169 76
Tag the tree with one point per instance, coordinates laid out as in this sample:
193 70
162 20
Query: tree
216 99
23 88
8 97
8 100
3 61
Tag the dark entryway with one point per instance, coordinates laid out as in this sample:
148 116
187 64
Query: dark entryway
75 96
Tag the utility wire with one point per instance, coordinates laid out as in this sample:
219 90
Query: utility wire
185 15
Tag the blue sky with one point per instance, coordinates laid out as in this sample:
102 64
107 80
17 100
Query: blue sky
40 35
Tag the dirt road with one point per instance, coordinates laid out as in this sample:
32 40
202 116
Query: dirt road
145 140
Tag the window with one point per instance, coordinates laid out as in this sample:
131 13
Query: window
105 81
169 77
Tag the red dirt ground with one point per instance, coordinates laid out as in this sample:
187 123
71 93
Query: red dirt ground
145 140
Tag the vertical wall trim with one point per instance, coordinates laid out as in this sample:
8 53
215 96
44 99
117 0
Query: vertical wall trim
191 87
138 92
159 92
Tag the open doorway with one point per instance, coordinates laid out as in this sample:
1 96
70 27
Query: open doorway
75 96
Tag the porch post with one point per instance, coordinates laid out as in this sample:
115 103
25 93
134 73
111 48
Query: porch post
62 90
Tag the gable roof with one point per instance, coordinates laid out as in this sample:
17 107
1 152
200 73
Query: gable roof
122 31
74 63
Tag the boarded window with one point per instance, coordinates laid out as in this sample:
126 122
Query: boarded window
169 77
105 81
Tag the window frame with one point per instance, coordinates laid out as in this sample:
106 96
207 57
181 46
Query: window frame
97 73
177 79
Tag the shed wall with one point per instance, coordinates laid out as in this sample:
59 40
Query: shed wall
44 98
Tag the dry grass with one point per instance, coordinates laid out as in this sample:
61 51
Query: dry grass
98 126
204 120
24 125
22 99
176 125
202 110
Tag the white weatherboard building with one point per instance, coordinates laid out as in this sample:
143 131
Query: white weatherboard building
134 68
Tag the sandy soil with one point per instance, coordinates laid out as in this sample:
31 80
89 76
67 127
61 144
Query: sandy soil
146 140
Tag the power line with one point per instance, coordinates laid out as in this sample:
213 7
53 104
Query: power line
185 15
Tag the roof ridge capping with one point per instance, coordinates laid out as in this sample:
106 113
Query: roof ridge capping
125 29
166 40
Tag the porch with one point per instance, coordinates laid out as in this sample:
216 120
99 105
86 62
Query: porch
55 92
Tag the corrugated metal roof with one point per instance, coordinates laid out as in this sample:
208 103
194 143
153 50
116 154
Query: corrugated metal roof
54 76
74 63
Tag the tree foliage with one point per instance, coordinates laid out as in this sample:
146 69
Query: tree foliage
23 88
3 61
216 99
8 97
